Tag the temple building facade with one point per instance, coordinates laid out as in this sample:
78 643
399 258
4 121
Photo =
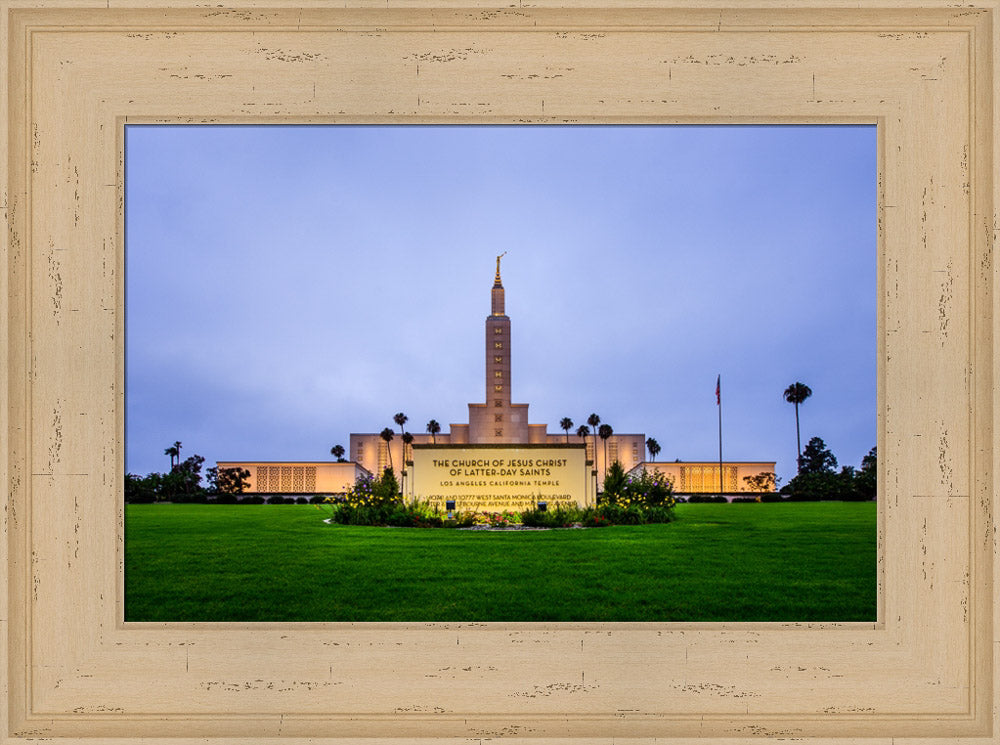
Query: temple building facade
298 477
496 421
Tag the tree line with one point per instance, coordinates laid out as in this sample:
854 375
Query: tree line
818 477
183 482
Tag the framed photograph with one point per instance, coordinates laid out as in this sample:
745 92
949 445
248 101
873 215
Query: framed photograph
74 77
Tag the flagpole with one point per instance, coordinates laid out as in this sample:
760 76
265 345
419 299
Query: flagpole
718 400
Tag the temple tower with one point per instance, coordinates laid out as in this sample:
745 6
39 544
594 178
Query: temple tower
498 421
498 349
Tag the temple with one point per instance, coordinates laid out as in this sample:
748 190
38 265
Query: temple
495 421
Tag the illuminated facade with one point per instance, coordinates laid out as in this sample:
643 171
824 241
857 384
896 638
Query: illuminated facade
702 477
300 477
497 421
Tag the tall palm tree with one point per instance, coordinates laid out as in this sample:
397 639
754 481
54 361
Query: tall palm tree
433 428
796 393
337 451
400 419
582 433
174 451
407 439
386 434
593 420
653 447
605 432
566 424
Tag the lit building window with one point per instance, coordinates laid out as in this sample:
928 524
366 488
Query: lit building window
498 345
498 359
498 374
497 330
498 388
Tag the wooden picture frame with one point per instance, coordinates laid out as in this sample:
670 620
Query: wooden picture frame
76 72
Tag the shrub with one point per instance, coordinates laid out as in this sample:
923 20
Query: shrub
745 500
804 496
224 498
594 519
302 500
622 514
197 497
557 516
252 499
355 514
369 502
496 519
649 488
317 499
847 485
460 520
771 498
396 514
140 490
614 484
707 499
421 515
659 514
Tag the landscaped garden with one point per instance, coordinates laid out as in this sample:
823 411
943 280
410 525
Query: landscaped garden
627 500
804 561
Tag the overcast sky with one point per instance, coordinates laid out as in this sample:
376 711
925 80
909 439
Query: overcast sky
287 286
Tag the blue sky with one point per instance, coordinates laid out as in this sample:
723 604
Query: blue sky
289 285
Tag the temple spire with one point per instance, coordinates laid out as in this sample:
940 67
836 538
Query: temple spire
496 280
497 293
494 421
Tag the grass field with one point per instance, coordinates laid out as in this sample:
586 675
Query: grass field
717 562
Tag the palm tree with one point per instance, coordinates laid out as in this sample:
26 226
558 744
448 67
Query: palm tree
337 451
582 433
796 393
605 432
653 447
593 420
174 451
386 434
566 424
400 419
433 428
407 439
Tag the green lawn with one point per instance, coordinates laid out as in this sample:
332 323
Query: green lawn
717 562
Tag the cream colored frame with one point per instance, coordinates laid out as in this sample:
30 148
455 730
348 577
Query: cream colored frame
76 72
